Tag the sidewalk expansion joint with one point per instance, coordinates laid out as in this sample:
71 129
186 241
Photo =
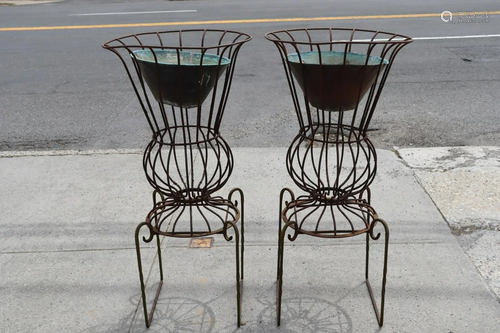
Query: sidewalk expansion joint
71 152
69 251
420 183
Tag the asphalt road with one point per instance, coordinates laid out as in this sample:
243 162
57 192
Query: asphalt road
60 90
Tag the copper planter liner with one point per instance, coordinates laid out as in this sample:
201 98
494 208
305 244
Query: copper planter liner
180 78
335 81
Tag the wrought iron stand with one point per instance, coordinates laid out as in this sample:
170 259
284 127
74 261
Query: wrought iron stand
331 158
187 160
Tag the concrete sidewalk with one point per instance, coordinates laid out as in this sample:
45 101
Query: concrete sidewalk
464 183
68 264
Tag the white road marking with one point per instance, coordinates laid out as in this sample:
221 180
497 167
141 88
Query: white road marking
133 13
455 37
418 38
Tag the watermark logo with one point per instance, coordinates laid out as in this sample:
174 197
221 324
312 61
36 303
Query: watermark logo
447 16
465 17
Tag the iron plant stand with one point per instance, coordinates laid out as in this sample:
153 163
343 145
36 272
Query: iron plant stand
332 158
189 75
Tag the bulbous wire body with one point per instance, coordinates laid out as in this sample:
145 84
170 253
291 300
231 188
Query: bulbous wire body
182 80
335 76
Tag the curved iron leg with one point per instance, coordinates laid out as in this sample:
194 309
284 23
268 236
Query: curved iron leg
279 283
370 234
242 218
158 249
147 318
155 196
237 243
281 245
282 195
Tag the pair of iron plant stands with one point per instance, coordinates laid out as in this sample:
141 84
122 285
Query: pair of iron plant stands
341 74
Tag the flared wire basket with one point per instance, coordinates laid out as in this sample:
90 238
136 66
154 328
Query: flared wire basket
336 77
179 68
182 80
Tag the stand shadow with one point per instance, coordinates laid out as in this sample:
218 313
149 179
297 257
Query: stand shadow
178 314
300 315
173 314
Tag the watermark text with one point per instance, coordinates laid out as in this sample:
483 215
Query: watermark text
465 17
